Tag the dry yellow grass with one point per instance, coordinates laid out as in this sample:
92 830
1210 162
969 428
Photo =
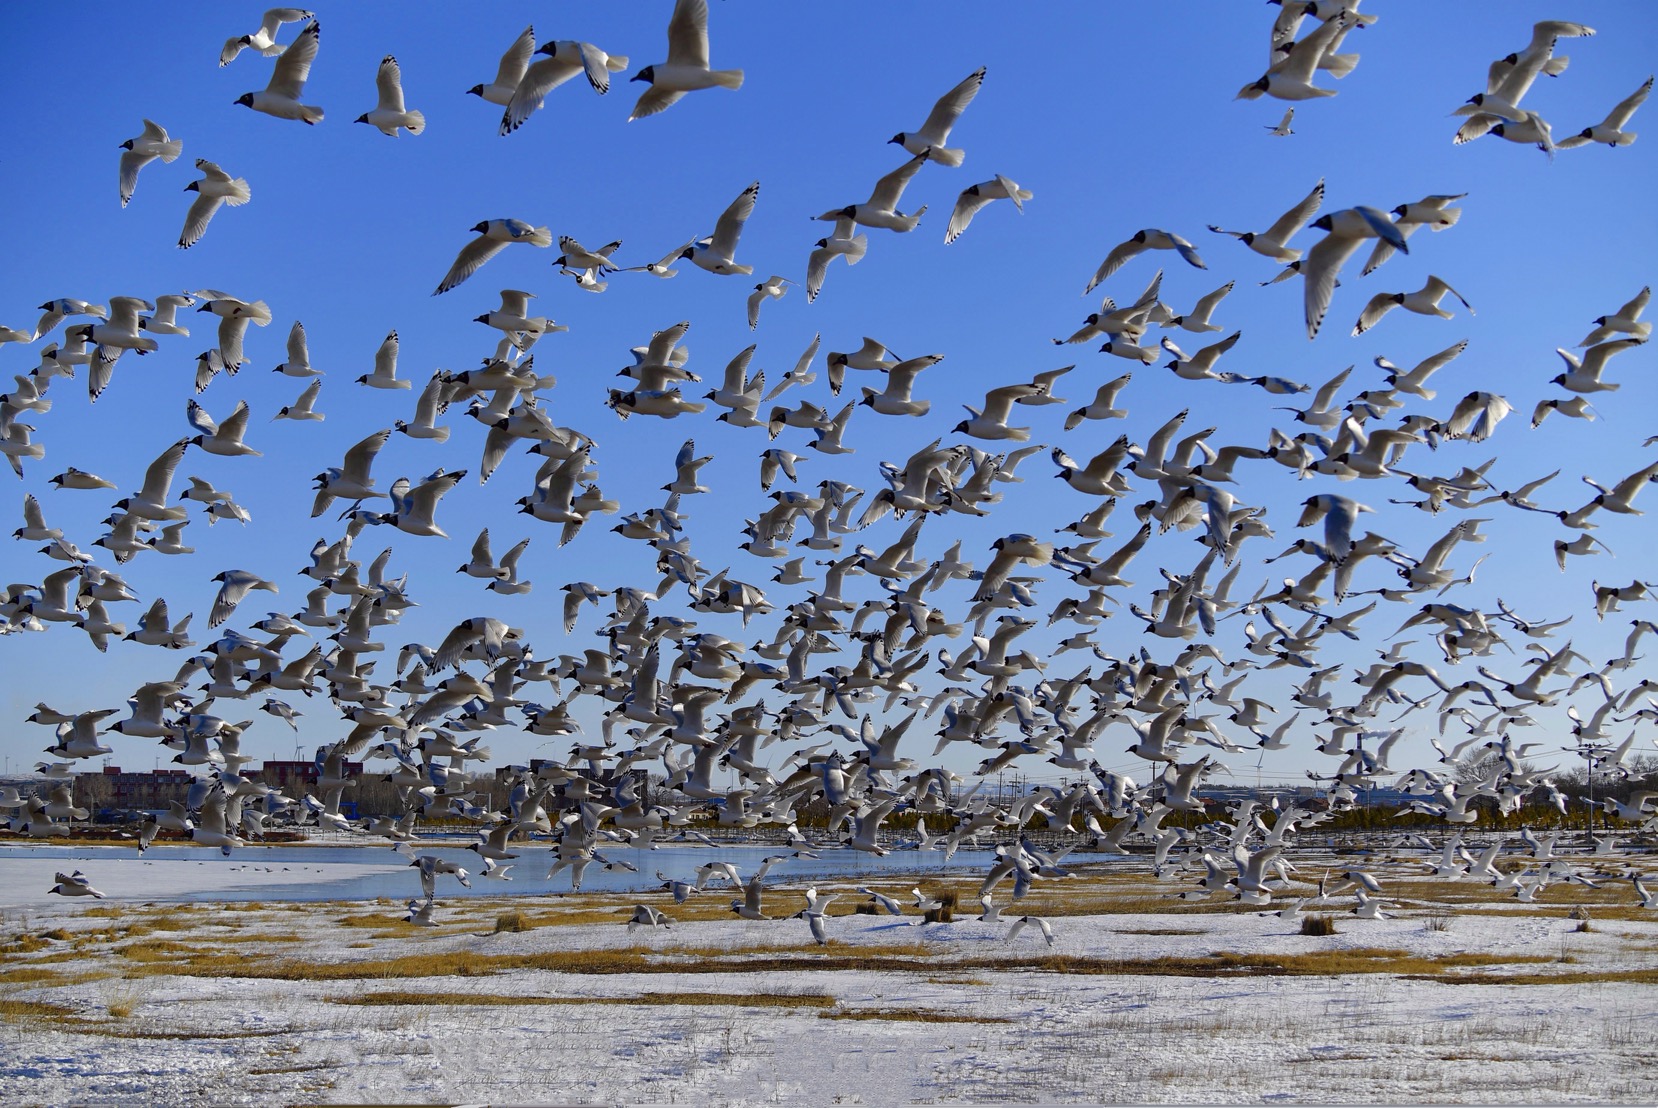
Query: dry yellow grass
743 1000
25 944
909 1015
32 1010
202 962
259 938
31 975
513 921
1570 977
160 956
155 950
112 1029
50 979
419 997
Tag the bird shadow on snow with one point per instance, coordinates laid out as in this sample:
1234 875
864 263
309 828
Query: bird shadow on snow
888 926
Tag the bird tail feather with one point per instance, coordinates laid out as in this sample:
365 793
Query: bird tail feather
1339 65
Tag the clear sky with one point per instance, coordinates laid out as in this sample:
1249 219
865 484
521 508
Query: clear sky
1117 117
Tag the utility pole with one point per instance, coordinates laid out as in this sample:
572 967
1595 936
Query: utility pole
1589 779
1591 754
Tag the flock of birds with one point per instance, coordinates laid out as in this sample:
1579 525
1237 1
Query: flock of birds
932 651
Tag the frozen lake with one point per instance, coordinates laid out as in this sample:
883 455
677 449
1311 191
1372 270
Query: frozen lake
185 874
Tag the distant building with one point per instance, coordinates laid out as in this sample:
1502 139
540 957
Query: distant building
279 774
114 789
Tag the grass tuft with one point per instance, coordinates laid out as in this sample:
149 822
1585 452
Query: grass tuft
946 910
513 921
1318 925
121 1000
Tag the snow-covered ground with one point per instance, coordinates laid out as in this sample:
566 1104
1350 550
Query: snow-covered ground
1142 998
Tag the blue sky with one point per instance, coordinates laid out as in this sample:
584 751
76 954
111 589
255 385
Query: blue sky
1117 117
